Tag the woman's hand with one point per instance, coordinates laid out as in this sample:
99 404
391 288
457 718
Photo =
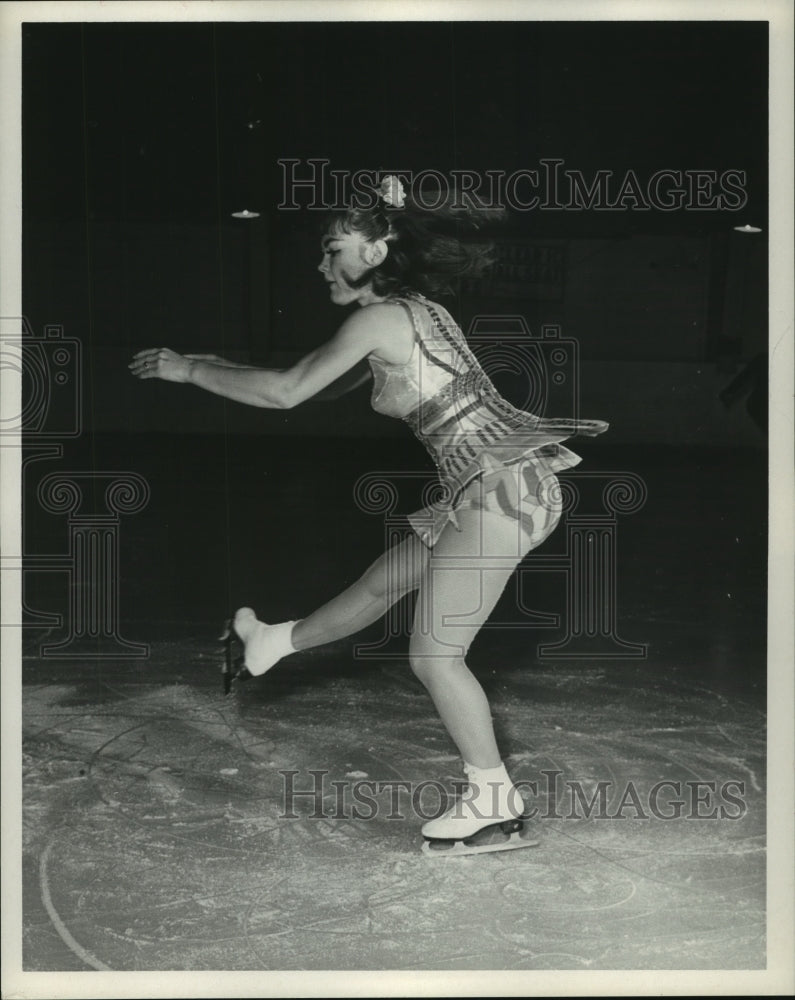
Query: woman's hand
160 362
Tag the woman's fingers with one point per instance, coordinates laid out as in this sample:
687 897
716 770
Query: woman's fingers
162 363
143 369
145 363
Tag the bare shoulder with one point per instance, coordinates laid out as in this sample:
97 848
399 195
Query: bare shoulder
388 329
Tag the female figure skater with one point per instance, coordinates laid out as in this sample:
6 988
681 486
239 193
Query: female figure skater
496 464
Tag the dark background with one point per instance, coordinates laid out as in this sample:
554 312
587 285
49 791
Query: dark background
140 140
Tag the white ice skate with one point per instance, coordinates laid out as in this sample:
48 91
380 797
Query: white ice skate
263 646
487 818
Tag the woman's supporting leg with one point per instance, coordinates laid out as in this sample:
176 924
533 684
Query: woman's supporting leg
464 577
393 575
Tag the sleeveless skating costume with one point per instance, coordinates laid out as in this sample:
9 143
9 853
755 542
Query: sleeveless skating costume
489 454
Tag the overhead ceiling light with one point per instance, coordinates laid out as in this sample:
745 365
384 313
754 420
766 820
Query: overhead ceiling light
747 229
245 214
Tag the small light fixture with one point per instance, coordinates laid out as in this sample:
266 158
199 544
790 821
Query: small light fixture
747 229
245 214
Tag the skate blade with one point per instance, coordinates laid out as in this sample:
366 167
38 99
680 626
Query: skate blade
233 667
471 845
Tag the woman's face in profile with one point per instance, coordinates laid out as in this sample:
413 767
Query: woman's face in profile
343 261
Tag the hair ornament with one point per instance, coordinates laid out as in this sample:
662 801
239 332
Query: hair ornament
392 192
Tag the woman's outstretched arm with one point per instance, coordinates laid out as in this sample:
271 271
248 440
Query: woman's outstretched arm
214 359
362 332
358 375
350 380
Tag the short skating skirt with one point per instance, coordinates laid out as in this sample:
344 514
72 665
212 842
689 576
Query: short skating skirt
523 488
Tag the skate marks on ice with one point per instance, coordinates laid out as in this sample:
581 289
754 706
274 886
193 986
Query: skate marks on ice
149 822
155 823
152 820
685 892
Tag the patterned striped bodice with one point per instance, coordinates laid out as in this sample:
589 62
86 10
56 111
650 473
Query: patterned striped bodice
454 409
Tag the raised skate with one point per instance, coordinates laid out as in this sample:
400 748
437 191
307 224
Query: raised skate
263 646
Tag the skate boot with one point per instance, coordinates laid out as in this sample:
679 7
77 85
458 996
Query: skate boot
488 817
263 646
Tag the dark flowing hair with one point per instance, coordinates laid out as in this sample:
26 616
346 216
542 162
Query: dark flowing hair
430 249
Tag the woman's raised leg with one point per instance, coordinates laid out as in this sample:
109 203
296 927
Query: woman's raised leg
392 576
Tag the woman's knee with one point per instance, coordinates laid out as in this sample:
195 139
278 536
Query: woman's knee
433 665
